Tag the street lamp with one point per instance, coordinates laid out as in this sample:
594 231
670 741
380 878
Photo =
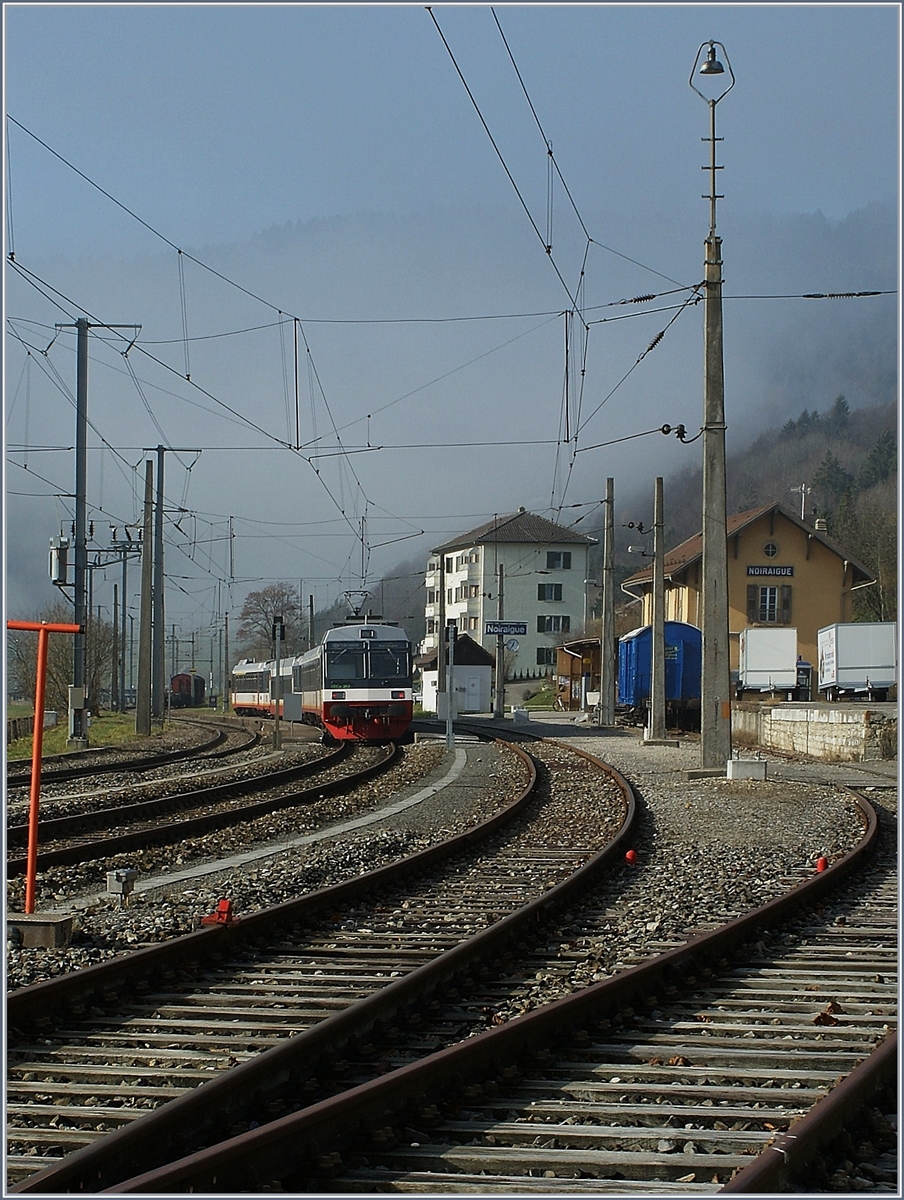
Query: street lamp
715 683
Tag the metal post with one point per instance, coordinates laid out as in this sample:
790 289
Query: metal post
225 661
158 652
499 699
122 639
715 682
278 628
115 701
451 634
656 724
143 697
37 745
607 624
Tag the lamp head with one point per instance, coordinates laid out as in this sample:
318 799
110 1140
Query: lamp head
712 66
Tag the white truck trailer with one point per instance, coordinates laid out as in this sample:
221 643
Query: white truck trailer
858 659
768 660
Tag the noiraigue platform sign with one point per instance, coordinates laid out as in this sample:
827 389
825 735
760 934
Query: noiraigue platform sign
505 629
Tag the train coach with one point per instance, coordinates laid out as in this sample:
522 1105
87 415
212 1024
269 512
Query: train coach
187 690
356 685
251 689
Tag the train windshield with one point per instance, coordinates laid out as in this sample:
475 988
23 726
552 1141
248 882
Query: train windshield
381 664
345 662
390 663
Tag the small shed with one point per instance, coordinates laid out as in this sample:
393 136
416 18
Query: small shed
472 677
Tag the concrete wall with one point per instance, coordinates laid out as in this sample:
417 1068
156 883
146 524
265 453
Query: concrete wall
832 733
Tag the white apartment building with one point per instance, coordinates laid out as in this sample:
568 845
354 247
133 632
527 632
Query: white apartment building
543 573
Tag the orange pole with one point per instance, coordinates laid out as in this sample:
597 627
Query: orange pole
42 630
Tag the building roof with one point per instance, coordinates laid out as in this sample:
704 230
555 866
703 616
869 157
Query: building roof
688 552
521 526
468 653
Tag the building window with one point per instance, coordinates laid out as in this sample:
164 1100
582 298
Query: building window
449 564
472 622
769 605
549 591
558 560
431 625
474 591
546 656
770 549
431 595
553 624
448 595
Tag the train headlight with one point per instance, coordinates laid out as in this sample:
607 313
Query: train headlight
397 695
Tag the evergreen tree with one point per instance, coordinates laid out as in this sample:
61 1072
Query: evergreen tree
880 462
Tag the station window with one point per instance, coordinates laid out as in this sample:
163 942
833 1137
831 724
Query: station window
770 549
549 591
558 560
546 656
770 605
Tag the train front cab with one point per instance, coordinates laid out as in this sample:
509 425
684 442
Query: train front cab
366 693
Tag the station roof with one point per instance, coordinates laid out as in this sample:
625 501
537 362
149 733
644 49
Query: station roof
521 526
677 560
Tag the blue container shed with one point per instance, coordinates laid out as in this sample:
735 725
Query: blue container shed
683 661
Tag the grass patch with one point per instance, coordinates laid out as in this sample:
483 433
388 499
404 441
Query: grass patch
544 697
109 729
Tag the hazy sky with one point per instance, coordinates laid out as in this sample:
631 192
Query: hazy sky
338 199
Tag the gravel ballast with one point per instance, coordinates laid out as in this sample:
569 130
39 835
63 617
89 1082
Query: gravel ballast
708 849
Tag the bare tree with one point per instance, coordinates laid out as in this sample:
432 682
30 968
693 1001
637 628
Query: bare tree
22 657
255 631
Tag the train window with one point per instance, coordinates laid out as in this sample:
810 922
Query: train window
389 662
344 661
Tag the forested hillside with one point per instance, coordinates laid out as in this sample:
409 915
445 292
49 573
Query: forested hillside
844 459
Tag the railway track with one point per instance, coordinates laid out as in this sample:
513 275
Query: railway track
312 963
683 1074
138 826
224 739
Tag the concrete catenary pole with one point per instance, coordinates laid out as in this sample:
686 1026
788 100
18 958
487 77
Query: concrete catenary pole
715 683
143 697
607 623
158 653
656 725
78 730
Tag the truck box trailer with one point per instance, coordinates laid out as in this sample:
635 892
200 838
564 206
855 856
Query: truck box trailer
768 660
858 658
